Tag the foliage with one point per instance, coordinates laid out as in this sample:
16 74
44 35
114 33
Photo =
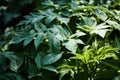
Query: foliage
63 40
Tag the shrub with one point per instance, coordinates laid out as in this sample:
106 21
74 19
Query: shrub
64 40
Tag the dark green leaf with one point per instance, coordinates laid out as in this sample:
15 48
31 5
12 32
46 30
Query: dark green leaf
49 19
54 43
51 58
50 68
38 39
38 61
28 39
37 27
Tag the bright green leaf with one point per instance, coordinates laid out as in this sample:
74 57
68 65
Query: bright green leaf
72 44
101 33
89 21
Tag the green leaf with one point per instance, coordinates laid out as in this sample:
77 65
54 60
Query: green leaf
117 42
10 76
38 61
59 37
13 65
16 40
49 19
78 34
19 37
101 33
54 43
110 65
39 39
50 68
51 58
64 20
14 60
100 14
63 72
114 24
32 70
28 39
89 21
72 44
37 27
9 55
101 30
102 26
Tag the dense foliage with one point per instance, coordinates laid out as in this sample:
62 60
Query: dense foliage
60 40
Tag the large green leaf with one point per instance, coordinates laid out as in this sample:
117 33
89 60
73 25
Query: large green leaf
72 44
100 14
38 61
28 39
11 76
37 27
54 43
32 19
39 39
32 70
50 68
49 19
101 33
89 21
51 58
16 40
114 24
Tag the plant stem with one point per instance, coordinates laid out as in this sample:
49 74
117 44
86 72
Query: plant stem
89 40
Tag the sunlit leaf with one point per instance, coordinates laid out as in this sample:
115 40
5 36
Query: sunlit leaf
100 14
101 33
72 44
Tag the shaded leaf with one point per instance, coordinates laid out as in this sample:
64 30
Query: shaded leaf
38 39
51 58
50 68
49 19
28 39
63 72
54 43
38 61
